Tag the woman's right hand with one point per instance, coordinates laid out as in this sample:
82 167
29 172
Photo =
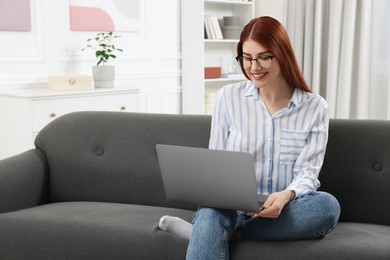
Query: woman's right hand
274 205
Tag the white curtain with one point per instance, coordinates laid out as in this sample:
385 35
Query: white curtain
343 49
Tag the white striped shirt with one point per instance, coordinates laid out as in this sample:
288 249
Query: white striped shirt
288 147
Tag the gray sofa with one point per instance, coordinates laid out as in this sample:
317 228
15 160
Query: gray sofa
92 190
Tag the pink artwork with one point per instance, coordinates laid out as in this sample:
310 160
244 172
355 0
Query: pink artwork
104 15
15 15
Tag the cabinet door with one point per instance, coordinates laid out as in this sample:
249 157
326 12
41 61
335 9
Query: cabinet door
44 111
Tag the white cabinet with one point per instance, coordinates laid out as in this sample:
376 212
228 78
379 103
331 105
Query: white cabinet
24 112
198 52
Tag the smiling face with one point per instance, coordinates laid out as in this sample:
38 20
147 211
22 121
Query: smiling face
266 75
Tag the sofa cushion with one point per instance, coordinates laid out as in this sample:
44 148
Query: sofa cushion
111 156
353 241
93 230
357 169
90 230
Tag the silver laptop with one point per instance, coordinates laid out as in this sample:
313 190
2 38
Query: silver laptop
212 178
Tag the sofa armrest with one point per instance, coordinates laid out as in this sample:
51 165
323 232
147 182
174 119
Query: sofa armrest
23 181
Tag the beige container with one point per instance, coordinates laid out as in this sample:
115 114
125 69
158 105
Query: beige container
231 27
231 32
231 20
70 82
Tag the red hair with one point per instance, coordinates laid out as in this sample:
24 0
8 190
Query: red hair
271 34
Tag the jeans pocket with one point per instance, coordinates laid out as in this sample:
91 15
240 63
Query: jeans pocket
292 143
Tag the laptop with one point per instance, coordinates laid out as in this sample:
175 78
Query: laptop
212 178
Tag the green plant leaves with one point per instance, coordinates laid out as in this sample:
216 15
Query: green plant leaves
103 46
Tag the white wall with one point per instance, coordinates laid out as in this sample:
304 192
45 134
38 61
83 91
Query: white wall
151 58
274 8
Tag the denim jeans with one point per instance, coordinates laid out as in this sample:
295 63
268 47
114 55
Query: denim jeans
311 216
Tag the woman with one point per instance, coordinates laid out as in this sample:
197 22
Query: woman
276 117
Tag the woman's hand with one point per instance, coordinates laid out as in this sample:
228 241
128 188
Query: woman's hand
274 204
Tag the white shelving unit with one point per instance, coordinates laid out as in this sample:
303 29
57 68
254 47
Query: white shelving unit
198 52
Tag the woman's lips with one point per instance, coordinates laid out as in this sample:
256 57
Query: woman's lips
259 76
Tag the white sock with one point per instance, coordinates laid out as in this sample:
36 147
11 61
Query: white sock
176 226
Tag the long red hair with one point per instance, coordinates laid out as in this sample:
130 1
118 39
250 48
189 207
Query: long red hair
270 33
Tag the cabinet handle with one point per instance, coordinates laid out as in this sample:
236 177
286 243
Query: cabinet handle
53 115
123 108
72 82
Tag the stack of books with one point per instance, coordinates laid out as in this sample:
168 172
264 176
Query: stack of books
212 28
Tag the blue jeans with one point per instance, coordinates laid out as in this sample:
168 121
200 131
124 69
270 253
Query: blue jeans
311 216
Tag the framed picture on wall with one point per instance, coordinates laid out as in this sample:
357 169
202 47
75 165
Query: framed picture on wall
15 15
104 15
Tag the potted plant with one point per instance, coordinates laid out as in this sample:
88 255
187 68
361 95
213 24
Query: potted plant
105 50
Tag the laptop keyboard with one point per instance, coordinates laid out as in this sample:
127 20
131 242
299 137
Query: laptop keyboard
261 203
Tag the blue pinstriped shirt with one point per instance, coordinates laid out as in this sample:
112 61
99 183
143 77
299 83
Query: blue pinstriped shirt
288 147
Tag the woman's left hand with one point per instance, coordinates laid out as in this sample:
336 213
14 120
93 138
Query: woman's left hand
274 204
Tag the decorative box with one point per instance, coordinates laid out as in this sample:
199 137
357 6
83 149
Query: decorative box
212 72
70 82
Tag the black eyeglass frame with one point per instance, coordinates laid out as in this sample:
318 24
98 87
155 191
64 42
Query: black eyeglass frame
240 59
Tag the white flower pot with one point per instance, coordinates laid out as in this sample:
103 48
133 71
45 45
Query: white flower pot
103 76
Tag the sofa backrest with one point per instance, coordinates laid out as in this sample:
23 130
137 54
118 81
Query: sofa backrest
357 169
111 156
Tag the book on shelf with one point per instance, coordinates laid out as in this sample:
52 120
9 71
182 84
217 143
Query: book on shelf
212 27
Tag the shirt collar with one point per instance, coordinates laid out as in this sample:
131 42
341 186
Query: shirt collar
296 98
252 91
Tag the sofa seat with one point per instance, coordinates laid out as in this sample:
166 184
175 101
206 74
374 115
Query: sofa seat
108 230
347 241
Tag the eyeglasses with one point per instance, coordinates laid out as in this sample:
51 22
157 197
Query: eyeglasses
264 61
